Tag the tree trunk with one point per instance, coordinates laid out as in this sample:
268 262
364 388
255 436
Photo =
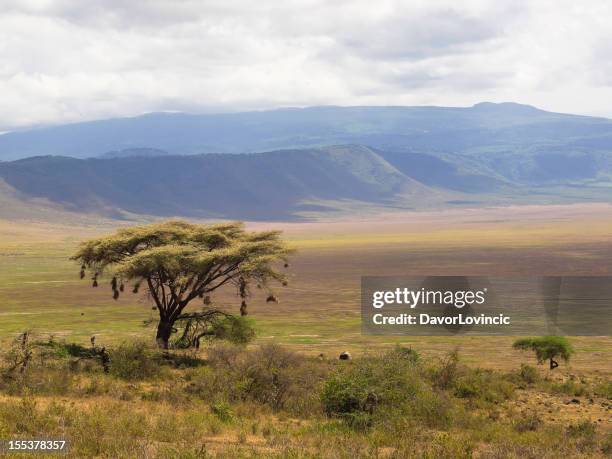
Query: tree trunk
164 330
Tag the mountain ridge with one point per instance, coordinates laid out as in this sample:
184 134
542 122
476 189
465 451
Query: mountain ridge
424 129
269 185
290 184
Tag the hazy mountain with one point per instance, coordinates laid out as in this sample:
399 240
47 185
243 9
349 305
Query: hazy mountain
485 128
258 186
284 184
453 175
415 157
135 152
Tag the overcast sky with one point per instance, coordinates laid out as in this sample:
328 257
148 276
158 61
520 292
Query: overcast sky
73 60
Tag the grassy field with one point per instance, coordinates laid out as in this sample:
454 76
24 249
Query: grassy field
319 313
319 310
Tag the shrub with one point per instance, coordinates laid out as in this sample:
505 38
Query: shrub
527 423
529 374
134 360
444 375
223 355
270 375
266 375
343 394
406 353
237 330
17 359
432 409
279 378
372 386
582 429
223 411
484 385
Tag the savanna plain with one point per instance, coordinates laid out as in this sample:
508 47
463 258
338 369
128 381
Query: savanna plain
286 393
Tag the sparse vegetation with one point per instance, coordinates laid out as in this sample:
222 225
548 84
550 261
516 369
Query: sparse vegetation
273 402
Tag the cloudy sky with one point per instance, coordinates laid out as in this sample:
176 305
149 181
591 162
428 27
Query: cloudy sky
70 60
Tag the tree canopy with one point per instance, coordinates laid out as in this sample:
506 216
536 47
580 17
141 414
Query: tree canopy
178 261
547 348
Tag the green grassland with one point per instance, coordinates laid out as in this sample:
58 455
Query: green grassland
319 310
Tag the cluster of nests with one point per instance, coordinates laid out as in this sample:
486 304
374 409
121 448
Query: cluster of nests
115 285
120 287
206 300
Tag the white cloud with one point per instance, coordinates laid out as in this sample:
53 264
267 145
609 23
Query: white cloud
68 60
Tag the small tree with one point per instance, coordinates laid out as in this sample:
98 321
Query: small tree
547 348
179 262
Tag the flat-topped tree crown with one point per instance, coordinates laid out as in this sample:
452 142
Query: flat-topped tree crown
547 348
179 261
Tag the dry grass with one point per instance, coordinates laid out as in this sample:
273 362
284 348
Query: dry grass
181 412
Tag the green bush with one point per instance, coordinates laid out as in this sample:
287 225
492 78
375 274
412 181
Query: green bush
406 353
344 394
222 411
432 409
485 385
237 330
373 387
529 374
266 375
270 375
134 360
443 376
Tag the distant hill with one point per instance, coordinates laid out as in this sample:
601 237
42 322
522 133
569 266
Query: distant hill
135 152
484 129
289 184
281 164
454 174
275 185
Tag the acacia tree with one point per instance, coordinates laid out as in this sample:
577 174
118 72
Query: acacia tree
547 348
179 262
